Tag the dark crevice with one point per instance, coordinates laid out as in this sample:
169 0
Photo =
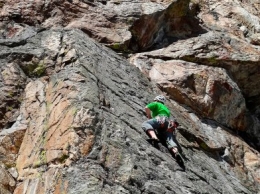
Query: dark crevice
12 43
251 140
9 124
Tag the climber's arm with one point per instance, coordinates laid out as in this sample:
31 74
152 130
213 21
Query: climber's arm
148 113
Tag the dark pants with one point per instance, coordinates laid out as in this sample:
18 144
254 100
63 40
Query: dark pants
160 129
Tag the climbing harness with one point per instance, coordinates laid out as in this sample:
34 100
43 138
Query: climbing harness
162 120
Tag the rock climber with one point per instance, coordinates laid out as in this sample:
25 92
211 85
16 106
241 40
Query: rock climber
160 123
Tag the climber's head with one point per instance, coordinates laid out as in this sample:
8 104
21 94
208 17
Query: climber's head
160 98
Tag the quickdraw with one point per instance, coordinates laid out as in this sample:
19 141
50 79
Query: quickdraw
172 125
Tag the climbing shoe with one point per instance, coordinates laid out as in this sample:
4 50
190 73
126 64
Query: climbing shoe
179 160
154 142
155 139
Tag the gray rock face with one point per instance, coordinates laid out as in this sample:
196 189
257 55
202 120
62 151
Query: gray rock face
121 25
72 108
107 95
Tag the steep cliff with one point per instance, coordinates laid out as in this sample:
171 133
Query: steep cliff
76 76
